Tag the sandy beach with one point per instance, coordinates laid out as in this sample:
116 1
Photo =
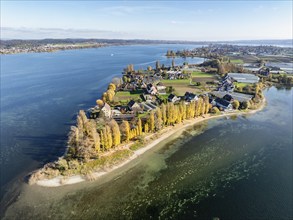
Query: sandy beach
163 134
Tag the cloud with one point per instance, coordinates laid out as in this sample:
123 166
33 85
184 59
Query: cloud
41 33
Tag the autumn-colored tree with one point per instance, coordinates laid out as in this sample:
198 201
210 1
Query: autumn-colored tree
125 131
109 137
158 119
163 110
111 86
104 97
102 140
207 104
139 126
146 127
151 121
236 104
100 103
178 118
115 132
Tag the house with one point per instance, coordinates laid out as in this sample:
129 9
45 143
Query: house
93 112
134 106
160 86
173 98
106 109
147 97
145 107
151 89
228 97
189 97
116 112
223 104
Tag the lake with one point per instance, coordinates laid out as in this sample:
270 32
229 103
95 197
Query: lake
42 92
236 168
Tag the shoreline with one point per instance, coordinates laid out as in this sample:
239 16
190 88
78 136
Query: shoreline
164 134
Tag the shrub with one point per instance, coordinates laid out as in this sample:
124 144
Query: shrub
215 110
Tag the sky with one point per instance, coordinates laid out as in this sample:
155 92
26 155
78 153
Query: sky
162 20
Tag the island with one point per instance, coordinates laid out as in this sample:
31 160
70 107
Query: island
144 107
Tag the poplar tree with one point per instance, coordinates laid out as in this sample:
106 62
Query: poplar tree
152 121
146 127
163 110
139 126
158 119
125 130
116 135
158 66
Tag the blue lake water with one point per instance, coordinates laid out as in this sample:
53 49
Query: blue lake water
42 92
237 168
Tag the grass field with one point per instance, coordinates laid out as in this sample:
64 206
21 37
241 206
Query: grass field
180 85
171 82
123 96
237 61
241 85
201 74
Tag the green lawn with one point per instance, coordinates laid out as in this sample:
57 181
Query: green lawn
237 61
170 82
180 85
124 96
201 74
241 85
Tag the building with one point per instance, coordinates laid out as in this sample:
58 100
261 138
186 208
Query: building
173 98
222 104
106 109
189 97
134 106
228 97
160 86
244 77
151 89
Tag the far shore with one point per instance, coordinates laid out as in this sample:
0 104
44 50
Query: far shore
164 134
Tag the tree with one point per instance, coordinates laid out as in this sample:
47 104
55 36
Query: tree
116 135
215 110
245 105
100 103
236 104
104 97
125 79
109 96
146 127
158 119
139 126
125 130
151 121
116 81
158 66
163 110
109 137
112 87
149 68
